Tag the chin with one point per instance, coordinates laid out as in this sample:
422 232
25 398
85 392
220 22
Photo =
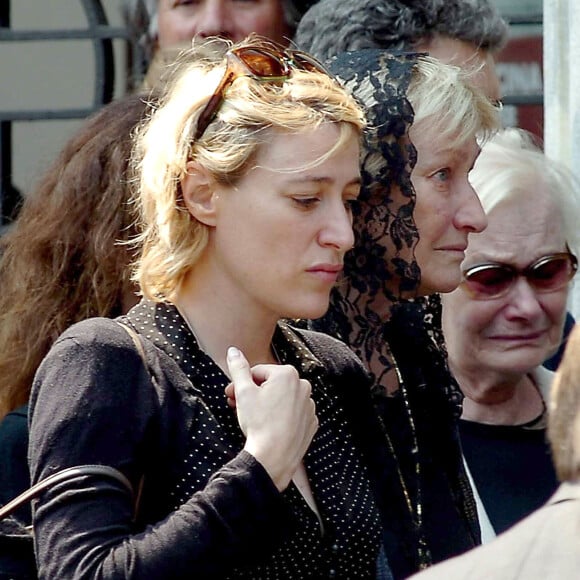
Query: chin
523 362
438 286
310 311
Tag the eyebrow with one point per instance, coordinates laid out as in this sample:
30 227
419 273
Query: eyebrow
309 179
455 152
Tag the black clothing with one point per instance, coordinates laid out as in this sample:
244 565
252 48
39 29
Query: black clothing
207 509
428 509
16 549
512 468
13 464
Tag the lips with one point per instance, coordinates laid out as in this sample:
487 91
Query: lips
326 272
519 337
454 249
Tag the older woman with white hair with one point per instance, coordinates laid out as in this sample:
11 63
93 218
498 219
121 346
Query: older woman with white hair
506 318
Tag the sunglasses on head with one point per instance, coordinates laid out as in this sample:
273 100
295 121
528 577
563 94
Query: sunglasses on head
494 279
270 63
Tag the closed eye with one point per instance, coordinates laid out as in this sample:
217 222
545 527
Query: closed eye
351 204
306 202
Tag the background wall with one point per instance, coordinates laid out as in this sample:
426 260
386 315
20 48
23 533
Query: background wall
49 74
53 74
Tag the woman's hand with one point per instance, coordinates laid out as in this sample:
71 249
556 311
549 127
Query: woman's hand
275 413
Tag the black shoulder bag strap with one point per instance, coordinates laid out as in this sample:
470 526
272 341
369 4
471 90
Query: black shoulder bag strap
60 476
80 470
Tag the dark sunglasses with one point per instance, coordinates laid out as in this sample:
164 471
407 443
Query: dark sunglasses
493 280
265 64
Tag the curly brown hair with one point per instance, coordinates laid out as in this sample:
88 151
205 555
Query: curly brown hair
63 259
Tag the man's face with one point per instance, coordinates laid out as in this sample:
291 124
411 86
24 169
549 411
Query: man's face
180 20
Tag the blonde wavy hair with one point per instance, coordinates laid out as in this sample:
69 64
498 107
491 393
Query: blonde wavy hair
564 416
251 113
447 103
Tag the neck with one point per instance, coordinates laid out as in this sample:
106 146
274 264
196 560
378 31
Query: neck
218 321
499 400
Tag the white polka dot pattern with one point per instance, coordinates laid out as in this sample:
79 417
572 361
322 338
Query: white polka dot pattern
349 545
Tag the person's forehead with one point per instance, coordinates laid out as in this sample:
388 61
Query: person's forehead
520 228
469 56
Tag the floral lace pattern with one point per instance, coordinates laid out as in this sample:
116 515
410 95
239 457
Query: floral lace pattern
375 309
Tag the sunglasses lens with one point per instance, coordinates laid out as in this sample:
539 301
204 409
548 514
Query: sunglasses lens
262 63
545 275
488 281
551 273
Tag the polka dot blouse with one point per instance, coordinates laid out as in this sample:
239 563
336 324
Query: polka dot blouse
347 544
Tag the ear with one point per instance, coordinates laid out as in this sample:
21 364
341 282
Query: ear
199 193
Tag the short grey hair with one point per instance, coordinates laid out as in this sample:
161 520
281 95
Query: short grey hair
512 163
333 26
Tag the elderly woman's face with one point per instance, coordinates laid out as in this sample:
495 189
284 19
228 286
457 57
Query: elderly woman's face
516 332
181 20
447 209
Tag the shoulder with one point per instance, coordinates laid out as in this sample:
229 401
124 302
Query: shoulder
537 547
96 332
92 364
92 399
332 352
94 344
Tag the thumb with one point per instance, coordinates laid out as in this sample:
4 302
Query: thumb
239 369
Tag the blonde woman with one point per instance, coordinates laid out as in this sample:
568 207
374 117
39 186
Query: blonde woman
246 174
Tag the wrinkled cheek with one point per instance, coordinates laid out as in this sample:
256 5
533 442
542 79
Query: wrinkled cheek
555 310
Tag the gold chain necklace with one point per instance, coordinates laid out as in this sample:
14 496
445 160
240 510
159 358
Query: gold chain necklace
415 511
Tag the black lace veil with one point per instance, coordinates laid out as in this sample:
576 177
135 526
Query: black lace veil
375 310
381 269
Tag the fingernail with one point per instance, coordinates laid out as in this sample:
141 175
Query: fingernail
233 353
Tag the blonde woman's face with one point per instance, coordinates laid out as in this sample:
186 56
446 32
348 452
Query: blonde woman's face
281 234
447 209
180 20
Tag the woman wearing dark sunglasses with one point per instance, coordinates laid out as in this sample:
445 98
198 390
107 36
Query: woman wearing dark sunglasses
247 173
506 318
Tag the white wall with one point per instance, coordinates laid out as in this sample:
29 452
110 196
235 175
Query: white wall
562 93
48 74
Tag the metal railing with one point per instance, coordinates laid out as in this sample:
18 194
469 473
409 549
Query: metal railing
101 35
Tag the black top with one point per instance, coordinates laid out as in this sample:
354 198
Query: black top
449 519
207 509
16 549
511 467
13 464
